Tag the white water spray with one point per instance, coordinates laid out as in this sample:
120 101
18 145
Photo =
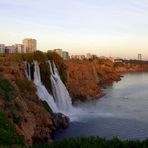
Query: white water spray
59 90
60 101
41 90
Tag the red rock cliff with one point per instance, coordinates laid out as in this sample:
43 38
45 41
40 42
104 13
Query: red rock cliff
24 108
86 78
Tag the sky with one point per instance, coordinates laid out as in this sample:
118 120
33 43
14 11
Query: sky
117 28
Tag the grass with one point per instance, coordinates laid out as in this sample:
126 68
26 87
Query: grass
94 142
8 135
7 92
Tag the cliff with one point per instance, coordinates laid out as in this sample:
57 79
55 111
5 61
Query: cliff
86 78
131 66
20 104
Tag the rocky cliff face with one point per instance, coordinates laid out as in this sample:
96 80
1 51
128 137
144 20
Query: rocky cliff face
19 102
85 79
130 67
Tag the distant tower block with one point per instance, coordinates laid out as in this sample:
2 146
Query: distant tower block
139 56
30 45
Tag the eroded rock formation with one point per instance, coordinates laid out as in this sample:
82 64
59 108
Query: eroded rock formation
86 78
21 104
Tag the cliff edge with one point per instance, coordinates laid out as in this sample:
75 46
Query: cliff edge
22 107
86 78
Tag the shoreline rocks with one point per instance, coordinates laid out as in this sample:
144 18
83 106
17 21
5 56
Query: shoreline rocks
86 79
61 121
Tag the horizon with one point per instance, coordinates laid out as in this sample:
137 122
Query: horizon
105 28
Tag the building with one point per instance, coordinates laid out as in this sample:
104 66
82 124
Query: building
30 45
2 48
62 54
10 49
59 52
19 48
65 55
139 56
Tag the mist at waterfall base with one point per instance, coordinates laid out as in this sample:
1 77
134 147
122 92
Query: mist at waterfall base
122 113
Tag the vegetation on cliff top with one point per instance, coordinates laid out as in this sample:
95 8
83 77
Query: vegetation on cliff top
94 142
42 58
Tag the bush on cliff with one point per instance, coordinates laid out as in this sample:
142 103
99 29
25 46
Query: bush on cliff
45 76
27 88
8 135
39 56
7 91
94 142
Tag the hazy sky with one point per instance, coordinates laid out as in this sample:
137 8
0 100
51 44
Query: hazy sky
106 27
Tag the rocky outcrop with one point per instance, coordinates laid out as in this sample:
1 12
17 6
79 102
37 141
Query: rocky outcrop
61 121
130 67
19 102
86 78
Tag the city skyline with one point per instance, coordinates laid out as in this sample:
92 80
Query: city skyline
109 27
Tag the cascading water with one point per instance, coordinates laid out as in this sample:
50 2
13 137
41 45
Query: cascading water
41 90
59 90
61 101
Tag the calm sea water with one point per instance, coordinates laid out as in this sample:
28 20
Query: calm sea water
122 112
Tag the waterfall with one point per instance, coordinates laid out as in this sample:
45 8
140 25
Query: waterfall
61 100
41 90
60 93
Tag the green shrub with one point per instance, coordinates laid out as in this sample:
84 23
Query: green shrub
94 142
45 76
8 135
28 57
7 91
39 56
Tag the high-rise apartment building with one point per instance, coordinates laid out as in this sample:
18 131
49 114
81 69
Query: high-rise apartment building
30 45
139 56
